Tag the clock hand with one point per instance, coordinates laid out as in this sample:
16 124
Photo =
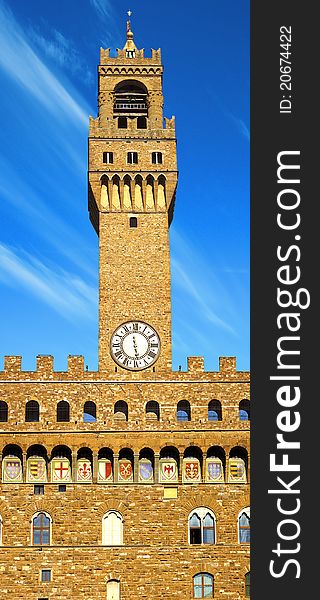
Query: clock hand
135 347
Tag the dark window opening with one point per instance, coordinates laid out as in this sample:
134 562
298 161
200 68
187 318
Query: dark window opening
38 490
32 411
3 412
130 53
62 487
133 222
157 158
132 158
63 411
141 123
122 123
108 158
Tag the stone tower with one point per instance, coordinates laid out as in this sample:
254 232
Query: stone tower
132 185
130 482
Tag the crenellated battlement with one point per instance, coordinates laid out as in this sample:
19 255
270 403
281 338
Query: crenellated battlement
139 57
13 369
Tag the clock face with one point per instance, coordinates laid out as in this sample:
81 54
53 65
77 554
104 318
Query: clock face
135 345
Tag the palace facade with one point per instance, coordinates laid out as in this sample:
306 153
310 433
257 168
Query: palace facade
130 482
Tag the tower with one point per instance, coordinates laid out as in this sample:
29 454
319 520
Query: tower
131 481
132 183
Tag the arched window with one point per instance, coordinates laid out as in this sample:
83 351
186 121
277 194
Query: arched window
113 589
63 411
112 529
214 410
121 409
183 411
247 584
244 526
203 585
89 412
41 526
153 409
202 526
244 410
3 411
32 411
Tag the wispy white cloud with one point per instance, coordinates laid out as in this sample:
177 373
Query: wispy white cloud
63 52
183 279
64 292
46 222
21 63
240 125
103 8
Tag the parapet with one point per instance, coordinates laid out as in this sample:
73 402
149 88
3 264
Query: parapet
140 58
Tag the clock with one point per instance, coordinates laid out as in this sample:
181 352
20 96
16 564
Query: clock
135 345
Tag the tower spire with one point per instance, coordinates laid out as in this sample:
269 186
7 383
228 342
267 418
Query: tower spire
130 46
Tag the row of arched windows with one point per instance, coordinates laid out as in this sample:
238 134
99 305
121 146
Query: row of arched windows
193 466
201 528
121 411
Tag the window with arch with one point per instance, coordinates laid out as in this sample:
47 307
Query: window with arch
203 585
153 409
202 526
89 412
121 409
63 411
112 529
244 410
41 529
32 411
183 411
3 411
244 526
113 589
214 410
247 585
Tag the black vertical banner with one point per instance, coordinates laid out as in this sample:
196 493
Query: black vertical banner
285 257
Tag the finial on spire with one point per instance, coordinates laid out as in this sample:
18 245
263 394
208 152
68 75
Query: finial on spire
129 13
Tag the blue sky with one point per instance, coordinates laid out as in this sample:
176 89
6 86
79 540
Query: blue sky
48 249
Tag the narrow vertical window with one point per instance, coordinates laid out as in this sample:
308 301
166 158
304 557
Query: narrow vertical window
122 123
89 412
108 158
132 158
133 222
3 411
63 411
38 490
183 411
157 158
32 411
244 410
112 529
244 526
41 530
142 123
